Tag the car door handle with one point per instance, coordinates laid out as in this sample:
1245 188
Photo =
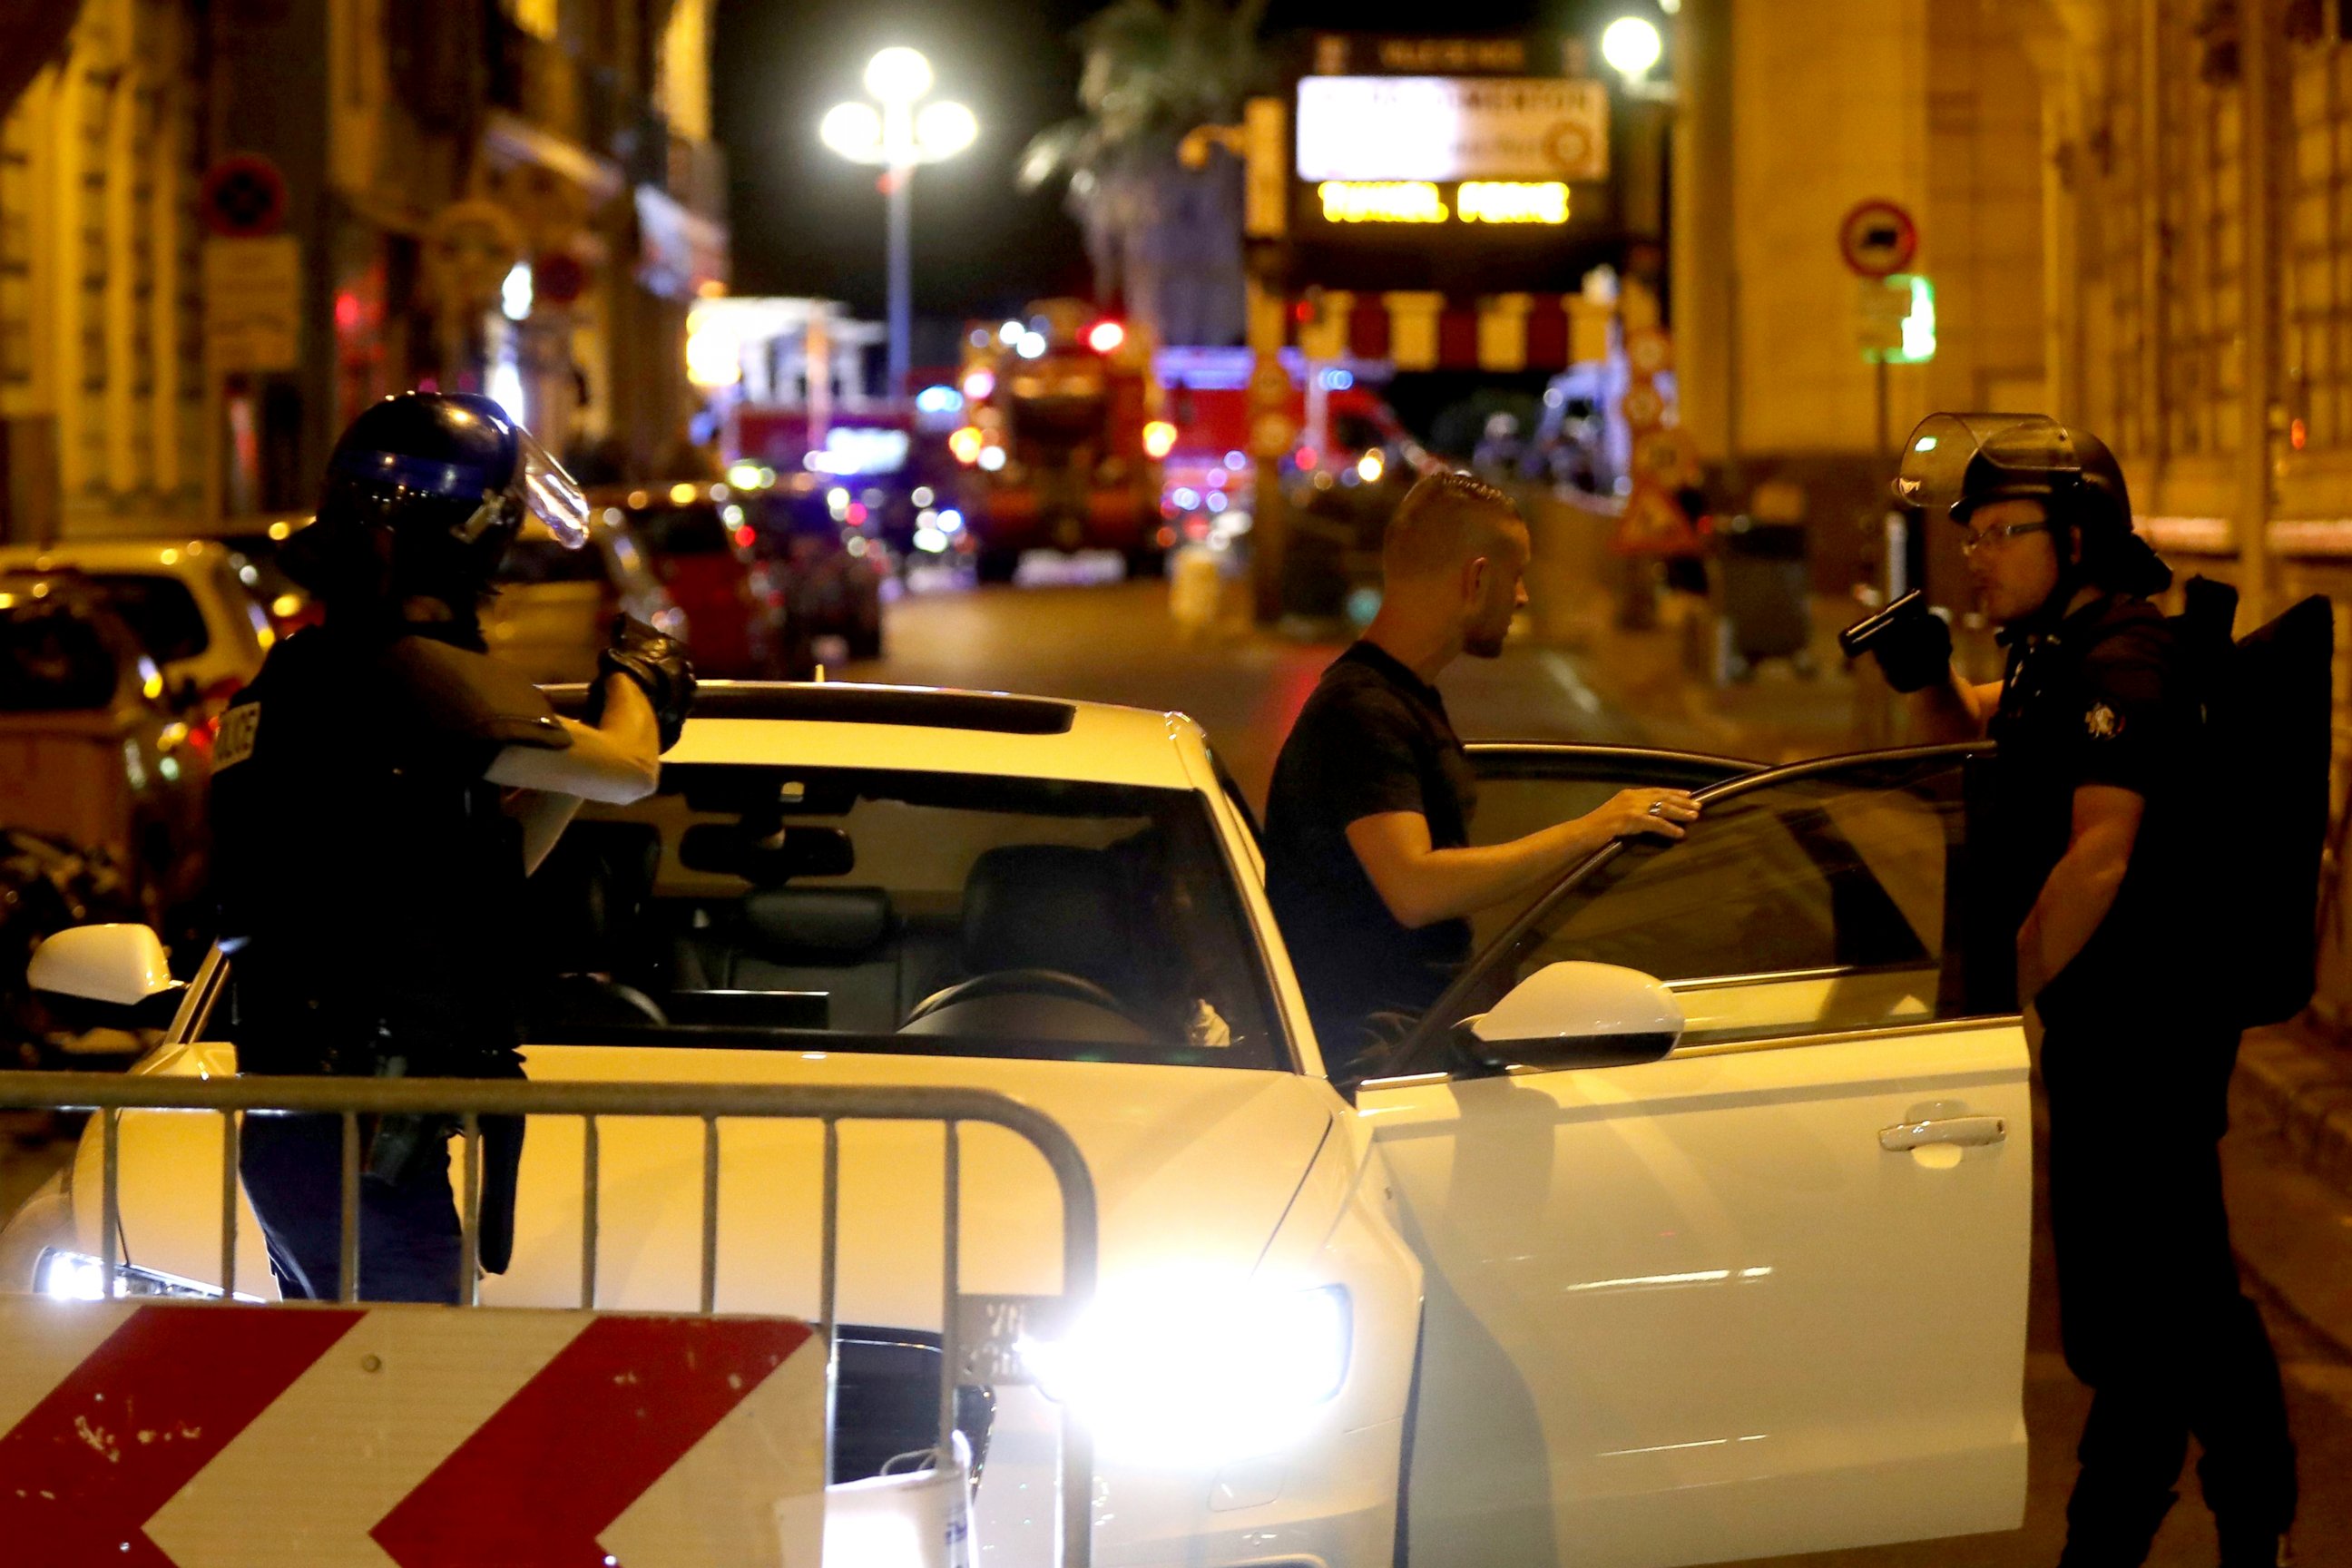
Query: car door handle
1968 1132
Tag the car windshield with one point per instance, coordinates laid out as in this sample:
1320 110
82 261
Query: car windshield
936 913
697 530
161 611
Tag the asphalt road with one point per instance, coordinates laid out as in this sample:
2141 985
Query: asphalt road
1115 644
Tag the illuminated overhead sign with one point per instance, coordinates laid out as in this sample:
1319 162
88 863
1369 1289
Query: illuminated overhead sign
1435 127
1506 201
1422 201
1380 201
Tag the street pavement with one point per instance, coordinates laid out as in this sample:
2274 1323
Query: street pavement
1115 644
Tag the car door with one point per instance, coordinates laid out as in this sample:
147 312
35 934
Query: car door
1767 1294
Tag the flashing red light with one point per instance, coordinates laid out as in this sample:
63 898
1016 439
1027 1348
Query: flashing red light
1105 336
856 518
1306 456
347 310
743 535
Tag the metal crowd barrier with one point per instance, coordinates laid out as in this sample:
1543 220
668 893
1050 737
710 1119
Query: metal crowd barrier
109 1095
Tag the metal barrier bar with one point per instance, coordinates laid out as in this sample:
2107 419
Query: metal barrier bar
469 1216
952 1208
347 1273
349 1098
709 1214
829 1278
590 1155
109 1224
229 1163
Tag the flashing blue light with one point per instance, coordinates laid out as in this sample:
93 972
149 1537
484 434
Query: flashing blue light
1338 380
939 400
1186 498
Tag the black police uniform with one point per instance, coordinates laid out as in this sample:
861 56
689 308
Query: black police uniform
370 887
2135 1060
1373 739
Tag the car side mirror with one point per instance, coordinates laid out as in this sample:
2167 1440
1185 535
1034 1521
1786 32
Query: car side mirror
120 964
1577 1015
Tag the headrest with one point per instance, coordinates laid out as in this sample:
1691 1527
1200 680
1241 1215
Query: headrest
1046 906
834 923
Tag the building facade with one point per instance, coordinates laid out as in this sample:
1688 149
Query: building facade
2137 214
226 227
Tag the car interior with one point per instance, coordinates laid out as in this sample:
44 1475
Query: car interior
758 906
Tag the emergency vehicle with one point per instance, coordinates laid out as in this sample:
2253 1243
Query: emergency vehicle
1063 440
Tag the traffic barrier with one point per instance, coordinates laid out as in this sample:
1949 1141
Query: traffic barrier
977 1333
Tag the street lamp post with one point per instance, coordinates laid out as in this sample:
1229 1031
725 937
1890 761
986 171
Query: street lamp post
897 136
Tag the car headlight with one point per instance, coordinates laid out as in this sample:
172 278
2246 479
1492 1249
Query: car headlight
1181 1377
77 1277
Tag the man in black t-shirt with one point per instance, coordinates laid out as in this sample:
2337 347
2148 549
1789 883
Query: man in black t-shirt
1369 862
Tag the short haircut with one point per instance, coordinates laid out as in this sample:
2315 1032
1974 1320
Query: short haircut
1444 520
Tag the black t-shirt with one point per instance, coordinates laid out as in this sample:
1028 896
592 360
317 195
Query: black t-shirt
1373 739
2102 700
369 880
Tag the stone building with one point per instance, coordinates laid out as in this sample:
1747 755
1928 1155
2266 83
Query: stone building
225 227
2137 214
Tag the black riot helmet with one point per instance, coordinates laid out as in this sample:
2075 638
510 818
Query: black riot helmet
1955 463
425 491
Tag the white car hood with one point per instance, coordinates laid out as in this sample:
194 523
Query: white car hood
1193 1170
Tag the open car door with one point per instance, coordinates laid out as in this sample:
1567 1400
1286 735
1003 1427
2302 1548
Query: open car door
1765 1294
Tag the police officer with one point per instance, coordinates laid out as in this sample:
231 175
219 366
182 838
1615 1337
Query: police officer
380 792
2099 831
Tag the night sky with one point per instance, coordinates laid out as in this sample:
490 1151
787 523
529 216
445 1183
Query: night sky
807 222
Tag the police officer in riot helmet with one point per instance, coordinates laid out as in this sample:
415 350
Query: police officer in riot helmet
382 791
2097 837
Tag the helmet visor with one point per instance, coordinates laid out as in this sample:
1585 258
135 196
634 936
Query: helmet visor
1953 463
551 495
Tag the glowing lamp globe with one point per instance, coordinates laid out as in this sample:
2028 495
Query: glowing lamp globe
1632 45
898 75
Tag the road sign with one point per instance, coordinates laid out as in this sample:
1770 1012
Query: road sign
558 278
1653 523
1895 318
1642 407
243 197
1877 237
1452 128
1649 351
1667 458
253 304
205 1436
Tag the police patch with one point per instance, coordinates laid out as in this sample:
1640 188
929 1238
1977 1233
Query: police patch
2103 722
238 727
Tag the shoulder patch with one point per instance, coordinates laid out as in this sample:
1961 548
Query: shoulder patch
238 727
2103 722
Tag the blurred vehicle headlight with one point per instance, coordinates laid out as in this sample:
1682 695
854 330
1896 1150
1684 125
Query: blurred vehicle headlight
77 1277
1194 1378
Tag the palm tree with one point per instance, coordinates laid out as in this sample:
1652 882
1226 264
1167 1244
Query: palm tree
1165 241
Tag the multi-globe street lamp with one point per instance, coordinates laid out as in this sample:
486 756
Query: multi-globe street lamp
898 135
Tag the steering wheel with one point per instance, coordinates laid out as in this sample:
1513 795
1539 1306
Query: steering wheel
1020 982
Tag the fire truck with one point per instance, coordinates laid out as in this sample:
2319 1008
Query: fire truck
1062 438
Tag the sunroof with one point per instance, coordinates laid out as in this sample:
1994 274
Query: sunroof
845 703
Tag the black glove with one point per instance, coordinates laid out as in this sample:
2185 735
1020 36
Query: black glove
658 663
1912 643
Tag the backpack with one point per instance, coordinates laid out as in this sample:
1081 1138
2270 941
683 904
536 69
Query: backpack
2267 700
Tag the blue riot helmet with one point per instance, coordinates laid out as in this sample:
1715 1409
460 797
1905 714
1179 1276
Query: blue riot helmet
425 492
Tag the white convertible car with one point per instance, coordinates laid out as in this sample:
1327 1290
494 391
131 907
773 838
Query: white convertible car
1723 1258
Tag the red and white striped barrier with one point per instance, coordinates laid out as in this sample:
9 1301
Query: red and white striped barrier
188 1435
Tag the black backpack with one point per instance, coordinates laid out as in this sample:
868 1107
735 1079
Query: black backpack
2268 705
